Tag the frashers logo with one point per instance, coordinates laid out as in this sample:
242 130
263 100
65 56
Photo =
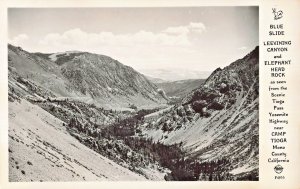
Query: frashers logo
277 14
278 169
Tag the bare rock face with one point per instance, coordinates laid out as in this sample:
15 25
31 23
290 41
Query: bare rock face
222 87
219 119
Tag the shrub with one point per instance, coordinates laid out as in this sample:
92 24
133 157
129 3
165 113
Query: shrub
215 106
224 89
132 106
199 105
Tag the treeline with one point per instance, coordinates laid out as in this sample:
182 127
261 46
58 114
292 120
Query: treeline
128 126
191 170
166 155
181 167
138 151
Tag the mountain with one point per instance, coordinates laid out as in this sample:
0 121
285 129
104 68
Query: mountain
63 139
218 121
59 129
155 80
89 77
179 89
175 74
41 149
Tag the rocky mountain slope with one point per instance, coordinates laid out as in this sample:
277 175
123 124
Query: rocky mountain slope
175 74
211 134
40 149
219 120
179 89
85 76
56 139
155 80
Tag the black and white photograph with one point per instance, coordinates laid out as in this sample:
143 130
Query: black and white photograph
133 93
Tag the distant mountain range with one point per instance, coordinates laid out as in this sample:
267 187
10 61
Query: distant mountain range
156 80
174 74
179 89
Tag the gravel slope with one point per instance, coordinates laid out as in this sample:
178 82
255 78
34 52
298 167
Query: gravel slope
40 149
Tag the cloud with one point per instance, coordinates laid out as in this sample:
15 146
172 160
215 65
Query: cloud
19 40
180 30
144 45
171 36
193 27
141 49
197 27
243 48
78 37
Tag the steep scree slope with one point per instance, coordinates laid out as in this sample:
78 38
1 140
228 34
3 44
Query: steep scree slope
217 120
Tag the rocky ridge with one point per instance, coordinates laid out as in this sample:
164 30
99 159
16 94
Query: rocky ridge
217 120
85 76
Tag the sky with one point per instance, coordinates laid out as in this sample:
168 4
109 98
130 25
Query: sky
173 38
